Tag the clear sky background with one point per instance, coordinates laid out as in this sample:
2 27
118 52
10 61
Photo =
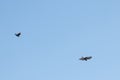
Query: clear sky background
55 34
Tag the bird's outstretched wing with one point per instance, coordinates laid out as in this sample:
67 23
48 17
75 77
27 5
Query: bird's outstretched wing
89 57
82 58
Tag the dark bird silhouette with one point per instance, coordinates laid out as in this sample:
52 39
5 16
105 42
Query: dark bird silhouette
85 58
18 34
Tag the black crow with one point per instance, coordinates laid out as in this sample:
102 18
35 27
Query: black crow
18 34
85 58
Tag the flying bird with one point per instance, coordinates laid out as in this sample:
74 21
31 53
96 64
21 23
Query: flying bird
18 34
85 58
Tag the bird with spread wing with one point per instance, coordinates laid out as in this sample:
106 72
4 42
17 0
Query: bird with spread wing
85 58
18 34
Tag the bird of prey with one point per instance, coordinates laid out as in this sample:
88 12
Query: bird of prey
18 34
85 58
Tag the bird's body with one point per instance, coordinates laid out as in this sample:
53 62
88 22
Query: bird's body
18 34
85 58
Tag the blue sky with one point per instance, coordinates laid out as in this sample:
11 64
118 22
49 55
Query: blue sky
55 34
